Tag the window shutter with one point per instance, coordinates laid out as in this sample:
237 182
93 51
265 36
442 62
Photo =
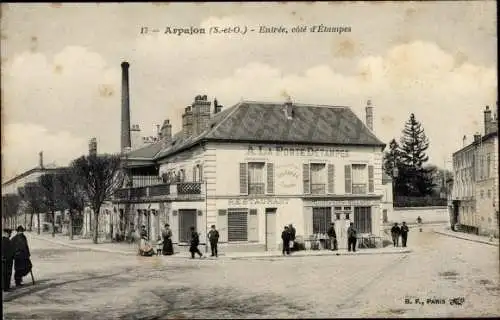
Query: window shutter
243 178
270 178
222 225
306 178
331 180
253 226
348 179
371 186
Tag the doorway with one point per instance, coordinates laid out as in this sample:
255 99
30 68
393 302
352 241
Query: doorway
187 219
271 229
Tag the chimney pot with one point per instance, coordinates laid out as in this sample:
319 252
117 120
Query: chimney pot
369 114
40 159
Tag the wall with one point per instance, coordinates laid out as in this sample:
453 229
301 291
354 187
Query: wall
428 215
288 165
186 160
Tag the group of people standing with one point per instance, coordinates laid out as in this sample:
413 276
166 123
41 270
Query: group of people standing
288 237
397 231
352 235
15 253
165 244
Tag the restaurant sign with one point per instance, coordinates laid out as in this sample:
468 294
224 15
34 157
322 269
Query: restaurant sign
296 151
332 203
257 201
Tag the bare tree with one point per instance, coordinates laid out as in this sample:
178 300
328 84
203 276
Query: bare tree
99 176
32 194
10 206
51 196
71 194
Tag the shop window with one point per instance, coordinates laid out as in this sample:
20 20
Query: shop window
363 219
322 218
318 178
237 225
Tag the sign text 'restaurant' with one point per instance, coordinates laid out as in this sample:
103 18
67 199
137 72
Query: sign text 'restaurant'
296 151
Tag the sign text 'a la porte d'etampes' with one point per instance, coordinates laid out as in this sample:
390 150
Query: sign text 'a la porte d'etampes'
296 151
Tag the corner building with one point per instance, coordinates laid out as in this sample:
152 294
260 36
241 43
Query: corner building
253 168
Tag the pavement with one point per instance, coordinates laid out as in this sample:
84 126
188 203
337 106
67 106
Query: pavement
442 277
466 236
131 249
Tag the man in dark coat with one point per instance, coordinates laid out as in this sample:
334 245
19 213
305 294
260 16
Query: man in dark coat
332 235
351 237
404 233
395 232
286 236
195 241
7 259
213 237
22 255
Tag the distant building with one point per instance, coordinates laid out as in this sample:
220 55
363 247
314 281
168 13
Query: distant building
475 184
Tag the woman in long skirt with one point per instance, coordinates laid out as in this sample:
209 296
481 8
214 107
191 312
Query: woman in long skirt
168 248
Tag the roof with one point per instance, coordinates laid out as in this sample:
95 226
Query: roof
483 139
29 172
250 121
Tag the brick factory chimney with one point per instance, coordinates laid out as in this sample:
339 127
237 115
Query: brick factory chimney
488 121
201 114
369 115
217 106
125 129
187 122
93 147
135 137
40 159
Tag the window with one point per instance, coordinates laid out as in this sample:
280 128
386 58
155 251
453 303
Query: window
482 168
363 219
359 179
489 193
318 178
256 182
347 211
197 173
482 194
322 218
237 225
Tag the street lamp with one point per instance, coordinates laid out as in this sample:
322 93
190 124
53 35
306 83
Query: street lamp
395 173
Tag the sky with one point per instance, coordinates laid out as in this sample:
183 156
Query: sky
61 75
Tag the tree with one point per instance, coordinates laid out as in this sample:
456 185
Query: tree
10 206
50 196
32 194
99 176
439 177
71 194
415 179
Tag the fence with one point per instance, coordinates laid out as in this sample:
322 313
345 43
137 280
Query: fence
401 201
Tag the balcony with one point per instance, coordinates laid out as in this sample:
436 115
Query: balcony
318 188
161 192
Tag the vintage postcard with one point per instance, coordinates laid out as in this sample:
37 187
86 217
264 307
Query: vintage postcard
249 160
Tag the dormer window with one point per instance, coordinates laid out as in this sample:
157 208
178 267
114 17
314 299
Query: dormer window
288 109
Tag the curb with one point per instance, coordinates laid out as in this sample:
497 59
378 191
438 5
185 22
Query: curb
468 239
226 256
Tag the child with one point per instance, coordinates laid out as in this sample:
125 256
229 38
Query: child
159 246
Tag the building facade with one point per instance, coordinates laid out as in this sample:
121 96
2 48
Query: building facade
253 168
475 186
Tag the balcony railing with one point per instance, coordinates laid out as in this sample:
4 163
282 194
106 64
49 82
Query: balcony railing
318 188
159 191
256 188
358 188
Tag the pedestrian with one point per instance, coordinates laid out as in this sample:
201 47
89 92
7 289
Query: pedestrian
7 259
395 232
285 236
195 241
22 262
168 248
332 235
351 237
419 221
292 231
213 237
404 233
159 246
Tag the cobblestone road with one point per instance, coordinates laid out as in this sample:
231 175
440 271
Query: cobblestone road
96 285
